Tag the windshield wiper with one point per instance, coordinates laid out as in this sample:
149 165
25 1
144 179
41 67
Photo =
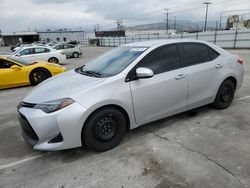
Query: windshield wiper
91 73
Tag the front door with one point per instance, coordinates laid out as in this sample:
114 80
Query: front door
12 77
166 92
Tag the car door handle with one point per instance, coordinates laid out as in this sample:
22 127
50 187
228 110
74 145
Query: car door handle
180 76
218 66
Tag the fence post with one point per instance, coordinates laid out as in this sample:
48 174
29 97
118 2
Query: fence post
119 41
197 35
182 34
109 41
125 40
215 34
236 33
114 41
132 38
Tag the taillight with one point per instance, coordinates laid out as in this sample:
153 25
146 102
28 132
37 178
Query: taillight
240 61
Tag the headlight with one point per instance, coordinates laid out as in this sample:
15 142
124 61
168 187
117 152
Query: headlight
52 106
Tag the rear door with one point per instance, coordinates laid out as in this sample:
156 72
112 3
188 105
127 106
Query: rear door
68 49
204 71
42 54
166 92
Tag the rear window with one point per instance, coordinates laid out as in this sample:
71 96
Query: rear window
213 54
195 53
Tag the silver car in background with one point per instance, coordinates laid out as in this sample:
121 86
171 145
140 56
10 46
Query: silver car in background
40 53
94 105
69 50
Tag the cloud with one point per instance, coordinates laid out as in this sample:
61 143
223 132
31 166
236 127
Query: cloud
42 14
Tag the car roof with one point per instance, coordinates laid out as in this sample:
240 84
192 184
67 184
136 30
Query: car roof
151 43
36 46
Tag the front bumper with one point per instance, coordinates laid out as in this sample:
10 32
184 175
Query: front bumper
52 131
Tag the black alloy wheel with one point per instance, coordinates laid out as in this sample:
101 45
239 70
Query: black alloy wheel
38 76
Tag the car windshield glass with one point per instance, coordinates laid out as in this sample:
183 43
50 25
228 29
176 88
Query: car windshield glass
112 62
20 60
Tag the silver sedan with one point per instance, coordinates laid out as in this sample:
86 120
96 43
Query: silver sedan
94 105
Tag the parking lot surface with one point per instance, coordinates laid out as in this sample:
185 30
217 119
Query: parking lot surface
202 148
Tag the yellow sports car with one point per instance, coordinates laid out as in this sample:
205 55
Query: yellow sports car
19 72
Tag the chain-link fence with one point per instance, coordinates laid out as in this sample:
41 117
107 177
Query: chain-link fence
226 39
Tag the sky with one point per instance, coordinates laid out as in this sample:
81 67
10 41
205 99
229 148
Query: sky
23 15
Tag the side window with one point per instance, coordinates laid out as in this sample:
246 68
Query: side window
39 50
26 51
4 64
59 47
70 46
47 50
162 59
213 54
195 53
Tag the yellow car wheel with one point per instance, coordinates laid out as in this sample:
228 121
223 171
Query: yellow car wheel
39 75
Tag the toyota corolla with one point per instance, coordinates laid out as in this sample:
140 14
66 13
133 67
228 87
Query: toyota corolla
94 105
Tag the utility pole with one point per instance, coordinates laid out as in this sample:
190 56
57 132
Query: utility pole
175 24
167 13
206 3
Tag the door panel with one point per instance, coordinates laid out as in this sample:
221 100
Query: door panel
203 73
203 81
160 96
166 92
11 78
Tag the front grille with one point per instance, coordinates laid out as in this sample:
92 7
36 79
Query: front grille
28 133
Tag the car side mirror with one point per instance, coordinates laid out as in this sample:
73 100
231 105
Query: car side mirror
18 55
15 67
143 72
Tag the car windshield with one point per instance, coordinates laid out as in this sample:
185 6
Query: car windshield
112 62
20 60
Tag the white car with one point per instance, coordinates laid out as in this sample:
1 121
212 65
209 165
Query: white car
94 105
40 53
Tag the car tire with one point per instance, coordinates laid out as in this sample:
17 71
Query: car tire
104 129
75 55
39 75
53 60
225 95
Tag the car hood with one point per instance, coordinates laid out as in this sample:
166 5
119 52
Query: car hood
64 85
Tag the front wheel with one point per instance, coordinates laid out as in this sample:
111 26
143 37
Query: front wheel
225 95
104 129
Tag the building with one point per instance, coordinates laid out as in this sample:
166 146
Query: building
61 35
9 39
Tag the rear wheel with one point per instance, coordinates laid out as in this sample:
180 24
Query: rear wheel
104 129
38 76
224 95
75 54
53 60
